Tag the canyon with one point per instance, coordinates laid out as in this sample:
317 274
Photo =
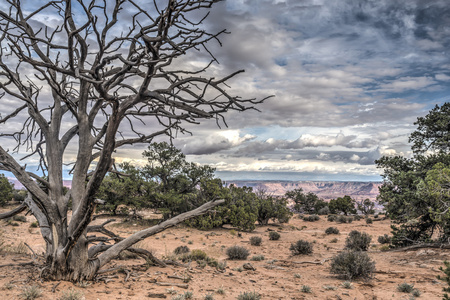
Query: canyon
326 190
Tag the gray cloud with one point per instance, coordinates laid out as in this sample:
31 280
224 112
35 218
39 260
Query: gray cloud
350 78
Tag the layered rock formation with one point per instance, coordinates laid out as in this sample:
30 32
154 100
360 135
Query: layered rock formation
324 189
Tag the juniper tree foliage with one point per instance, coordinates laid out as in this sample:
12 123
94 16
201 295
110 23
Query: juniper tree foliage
6 190
85 78
366 206
344 204
305 202
177 179
125 190
414 190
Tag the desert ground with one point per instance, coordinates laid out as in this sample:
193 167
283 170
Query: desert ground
279 276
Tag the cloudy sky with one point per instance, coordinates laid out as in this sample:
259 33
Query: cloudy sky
349 77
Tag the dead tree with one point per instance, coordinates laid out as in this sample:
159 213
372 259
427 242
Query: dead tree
84 76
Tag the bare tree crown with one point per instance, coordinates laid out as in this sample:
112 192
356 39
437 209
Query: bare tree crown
85 73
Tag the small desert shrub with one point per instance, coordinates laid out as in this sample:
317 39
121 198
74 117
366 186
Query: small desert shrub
358 241
311 218
384 239
220 291
34 224
329 287
237 252
258 258
301 247
198 254
331 218
209 297
10 222
249 296
445 278
384 248
221 266
335 240
375 216
369 221
323 211
19 218
347 285
349 219
31 293
416 293
255 241
306 289
181 250
186 295
357 217
194 255
332 230
352 264
405 287
341 219
274 236
71 294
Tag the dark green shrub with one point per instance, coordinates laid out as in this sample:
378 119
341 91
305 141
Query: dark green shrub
369 221
198 254
181 250
323 211
352 264
271 208
358 241
195 255
332 230
446 278
311 218
349 219
357 217
405 287
34 224
6 190
384 239
274 236
331 218
301 247
341 219
258 258
237 252
249 296
255 241
19 218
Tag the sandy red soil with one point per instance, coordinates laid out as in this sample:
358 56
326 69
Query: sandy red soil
279 276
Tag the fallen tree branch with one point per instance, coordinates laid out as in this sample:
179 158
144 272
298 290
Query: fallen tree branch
13 212
149 255
306 262
421 246
114 251
181 285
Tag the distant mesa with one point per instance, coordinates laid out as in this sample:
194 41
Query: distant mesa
324 189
